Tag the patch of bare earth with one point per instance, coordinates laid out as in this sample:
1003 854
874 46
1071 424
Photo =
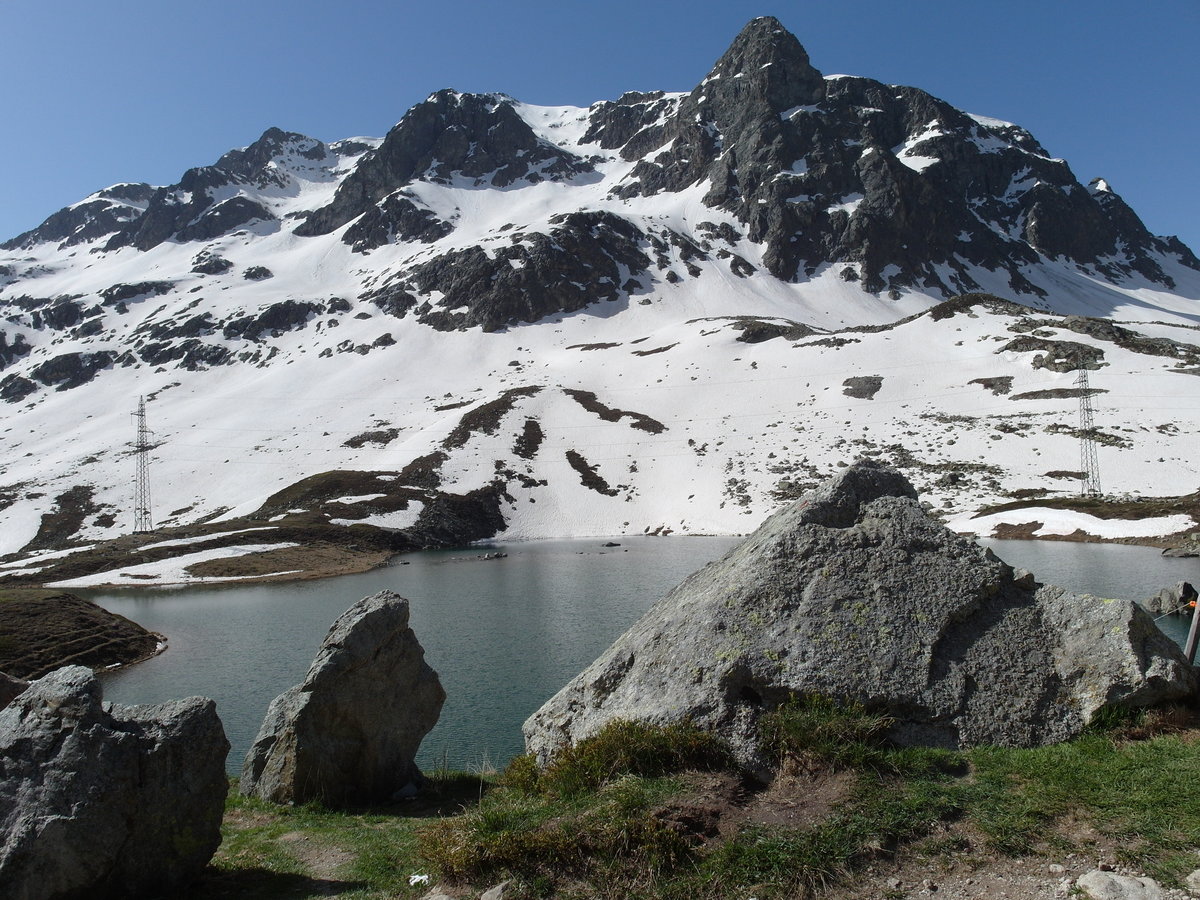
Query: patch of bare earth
321 860
291 563
972 873
719 805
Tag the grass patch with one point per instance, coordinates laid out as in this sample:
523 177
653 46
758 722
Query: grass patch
635 811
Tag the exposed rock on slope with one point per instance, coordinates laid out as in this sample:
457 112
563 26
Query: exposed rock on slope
350 732
854 592
124 802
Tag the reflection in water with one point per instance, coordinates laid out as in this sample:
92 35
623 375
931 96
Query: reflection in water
504 634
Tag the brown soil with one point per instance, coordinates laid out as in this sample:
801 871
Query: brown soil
951 865
43 630
321 860
719 805
293 563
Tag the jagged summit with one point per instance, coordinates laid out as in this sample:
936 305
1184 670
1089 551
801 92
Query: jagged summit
773 60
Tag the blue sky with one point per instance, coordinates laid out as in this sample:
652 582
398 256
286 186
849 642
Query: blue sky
139 90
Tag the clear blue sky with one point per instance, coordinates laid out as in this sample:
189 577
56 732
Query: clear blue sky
139 90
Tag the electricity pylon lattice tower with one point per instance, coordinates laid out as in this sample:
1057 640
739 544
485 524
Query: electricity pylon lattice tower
1089 465
142 523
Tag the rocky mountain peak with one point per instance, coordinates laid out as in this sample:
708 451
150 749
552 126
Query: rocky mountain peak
479 138
250 163
773 61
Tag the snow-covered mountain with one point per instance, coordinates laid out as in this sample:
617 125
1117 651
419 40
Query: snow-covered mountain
664 313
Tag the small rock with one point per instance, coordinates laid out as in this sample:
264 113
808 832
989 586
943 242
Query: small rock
1056 869
1105 885
1193 882
496 893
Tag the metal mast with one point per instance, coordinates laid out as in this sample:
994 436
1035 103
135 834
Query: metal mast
1089 465
142 523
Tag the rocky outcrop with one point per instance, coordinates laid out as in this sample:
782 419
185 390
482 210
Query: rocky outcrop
478 138
189 210
1175 599
350 732
896 187
586 258
70 370
103 213
856 593
117 802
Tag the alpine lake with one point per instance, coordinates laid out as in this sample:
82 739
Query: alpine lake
503 634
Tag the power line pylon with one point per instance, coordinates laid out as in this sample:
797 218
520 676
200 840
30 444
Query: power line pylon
1089 465
142 523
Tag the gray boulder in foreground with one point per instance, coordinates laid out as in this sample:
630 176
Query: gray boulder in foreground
106 800
350 732
855 593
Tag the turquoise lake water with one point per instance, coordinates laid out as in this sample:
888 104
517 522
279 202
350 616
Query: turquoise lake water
503 634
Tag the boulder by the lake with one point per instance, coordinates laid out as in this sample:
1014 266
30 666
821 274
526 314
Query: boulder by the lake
349 733
106 801
1174 599
854 592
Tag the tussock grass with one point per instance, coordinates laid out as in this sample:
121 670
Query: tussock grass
608 818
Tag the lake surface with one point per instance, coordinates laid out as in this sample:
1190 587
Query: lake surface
503 635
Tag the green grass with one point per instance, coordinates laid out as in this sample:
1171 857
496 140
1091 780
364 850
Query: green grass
603 820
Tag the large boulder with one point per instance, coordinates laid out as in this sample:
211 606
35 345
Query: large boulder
112 801
855 593
1176 599
350 732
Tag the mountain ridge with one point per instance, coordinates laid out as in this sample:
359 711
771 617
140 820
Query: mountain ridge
772 216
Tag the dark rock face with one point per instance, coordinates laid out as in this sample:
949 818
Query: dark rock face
350 732
70 370
124 802
106 212
120 293
210 264
580 262
850 170
187 211
14 388
10 352
277 318
395 218
258 273
10 688
863 387
855 593
476 137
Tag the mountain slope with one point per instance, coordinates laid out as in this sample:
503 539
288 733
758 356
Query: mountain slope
665 312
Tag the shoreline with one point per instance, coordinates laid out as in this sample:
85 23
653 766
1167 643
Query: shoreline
354 563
